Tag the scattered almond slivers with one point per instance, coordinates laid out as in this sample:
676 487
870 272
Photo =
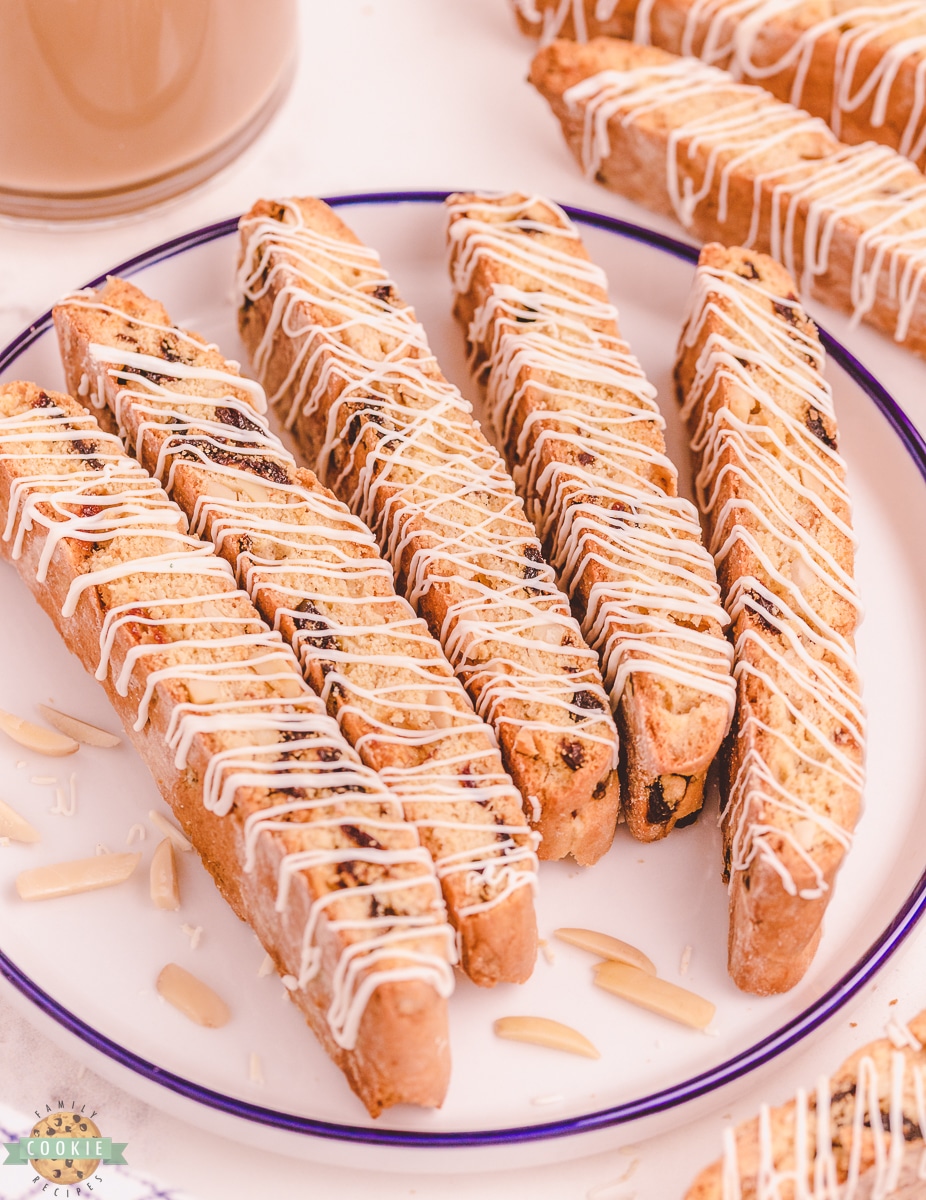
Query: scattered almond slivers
163 881
80 731
541 1031
15 827
78 875
180 840
192 997
606 946
657 995
34 737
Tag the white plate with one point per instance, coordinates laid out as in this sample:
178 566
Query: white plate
90 962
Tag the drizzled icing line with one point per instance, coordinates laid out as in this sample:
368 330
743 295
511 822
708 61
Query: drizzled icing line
797 653
729 34
579 470
303 544
871 195
817 1156
434 491
552 16
85 489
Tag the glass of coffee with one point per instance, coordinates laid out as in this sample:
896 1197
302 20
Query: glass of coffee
110 105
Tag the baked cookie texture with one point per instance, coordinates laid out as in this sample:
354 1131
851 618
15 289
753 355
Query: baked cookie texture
302 840
582 434
857 1135
314 573
350 368
771 486
579 19
733 164
859 66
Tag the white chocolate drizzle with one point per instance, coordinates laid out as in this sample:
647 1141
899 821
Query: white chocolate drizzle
434 491
304 544
84 488
870 1152
729 34
657 609
552 15
771 815
872 195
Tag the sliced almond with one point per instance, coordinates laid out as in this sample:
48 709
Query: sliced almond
203 691
15 827
549 632
524 743
80 731
254 491
441 709
275 665
162 877
34 737
177 836
192 997
606 946
541 1031
78 875
221 491
656 995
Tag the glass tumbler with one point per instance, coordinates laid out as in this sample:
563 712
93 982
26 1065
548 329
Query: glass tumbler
110 105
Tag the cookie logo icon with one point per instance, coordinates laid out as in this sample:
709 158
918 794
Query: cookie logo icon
65 1148
55 1128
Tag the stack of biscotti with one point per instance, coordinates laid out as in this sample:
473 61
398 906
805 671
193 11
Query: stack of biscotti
350 367
857 64
313 572
856 1136
772 487
733 164
582 434
304 841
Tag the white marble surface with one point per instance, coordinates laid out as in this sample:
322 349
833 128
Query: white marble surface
396 94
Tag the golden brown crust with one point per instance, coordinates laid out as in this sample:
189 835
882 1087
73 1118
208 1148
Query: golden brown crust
745 199
401 1051
441 505
301 551
777 514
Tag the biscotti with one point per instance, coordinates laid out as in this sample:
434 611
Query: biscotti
579 19
304 842
313 572
348 364
579 426
771 485
857 65
735 165
856 1136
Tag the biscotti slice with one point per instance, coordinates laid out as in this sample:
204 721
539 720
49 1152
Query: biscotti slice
858 66
772 488
858 1135
348 364
582 434
579 19
304 842
313 571
734 164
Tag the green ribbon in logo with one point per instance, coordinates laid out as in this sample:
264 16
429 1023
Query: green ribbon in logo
57 1149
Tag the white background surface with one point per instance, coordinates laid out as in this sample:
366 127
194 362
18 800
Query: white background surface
398 94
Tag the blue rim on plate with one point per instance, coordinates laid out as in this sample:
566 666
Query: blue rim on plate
690 1089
